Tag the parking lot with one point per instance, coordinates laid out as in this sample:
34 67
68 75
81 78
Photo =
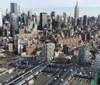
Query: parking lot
79 81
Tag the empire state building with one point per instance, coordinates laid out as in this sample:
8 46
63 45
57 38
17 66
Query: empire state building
76 13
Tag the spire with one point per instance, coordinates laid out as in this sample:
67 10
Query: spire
76 2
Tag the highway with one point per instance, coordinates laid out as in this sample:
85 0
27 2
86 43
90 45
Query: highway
25 75
64 75
49 82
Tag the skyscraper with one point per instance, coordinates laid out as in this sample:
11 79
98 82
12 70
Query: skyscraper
64 17
76 13
30 14
53 14
85 20
43 20
14 24
1 18
13 7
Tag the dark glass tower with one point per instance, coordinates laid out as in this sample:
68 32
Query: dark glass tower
13 7
43 20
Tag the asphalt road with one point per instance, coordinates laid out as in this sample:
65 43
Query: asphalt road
24 76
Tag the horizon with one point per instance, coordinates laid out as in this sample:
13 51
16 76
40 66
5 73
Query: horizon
86 7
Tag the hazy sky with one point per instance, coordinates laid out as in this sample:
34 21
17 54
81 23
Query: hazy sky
48 5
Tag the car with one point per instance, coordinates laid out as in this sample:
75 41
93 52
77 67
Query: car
62 80
57 75
55 78
64 69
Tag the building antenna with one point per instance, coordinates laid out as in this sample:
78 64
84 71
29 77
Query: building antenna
23 10
76 2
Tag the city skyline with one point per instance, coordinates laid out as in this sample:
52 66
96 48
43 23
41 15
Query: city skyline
85 6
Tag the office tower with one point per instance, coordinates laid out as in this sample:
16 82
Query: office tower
24 18
1 22
43 20
76 13
85 20
98 17
30 14
64 17
80 22
53 14
19 13
13 7
6 11
14 24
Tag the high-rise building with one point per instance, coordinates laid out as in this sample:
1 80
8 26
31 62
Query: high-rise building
53 14
98 17
47 53
19 13
24 18
13 7
80 22
43 20
1 22
30 14
14 24
76 13
6 11
64 17
85 20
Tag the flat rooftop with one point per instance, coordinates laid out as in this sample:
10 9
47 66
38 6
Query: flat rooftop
80 81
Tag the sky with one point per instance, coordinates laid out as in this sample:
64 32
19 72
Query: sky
89 7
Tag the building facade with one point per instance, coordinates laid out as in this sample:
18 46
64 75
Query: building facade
13 7
43 20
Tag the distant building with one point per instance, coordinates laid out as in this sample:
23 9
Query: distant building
30 14
85 20
13 7
76 13
19 13
64 17
53 14
1 22
14 24
24 18
5 29
43 20
98 17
